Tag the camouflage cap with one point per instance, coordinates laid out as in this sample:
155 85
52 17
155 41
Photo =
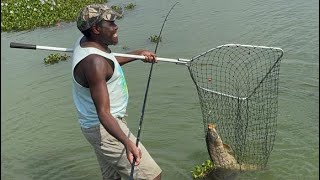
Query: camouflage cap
94 13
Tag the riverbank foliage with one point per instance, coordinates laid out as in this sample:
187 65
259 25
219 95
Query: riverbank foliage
20 15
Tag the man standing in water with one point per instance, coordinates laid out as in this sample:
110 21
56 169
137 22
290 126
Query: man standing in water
100 95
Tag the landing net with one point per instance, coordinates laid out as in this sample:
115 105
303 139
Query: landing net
238 92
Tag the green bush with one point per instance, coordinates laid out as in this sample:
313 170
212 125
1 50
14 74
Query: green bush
19 15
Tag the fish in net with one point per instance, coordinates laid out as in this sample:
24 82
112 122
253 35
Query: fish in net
237 87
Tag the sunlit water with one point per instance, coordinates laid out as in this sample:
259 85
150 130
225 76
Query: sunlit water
40 136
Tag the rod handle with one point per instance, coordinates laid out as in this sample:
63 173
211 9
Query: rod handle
22 45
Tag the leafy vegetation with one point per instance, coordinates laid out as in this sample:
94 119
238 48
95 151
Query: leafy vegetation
155 38
55 58
200 172
130 6
19 15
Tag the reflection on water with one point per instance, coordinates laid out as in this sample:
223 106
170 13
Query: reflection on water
40 136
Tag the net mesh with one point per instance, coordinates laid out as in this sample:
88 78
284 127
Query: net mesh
238 91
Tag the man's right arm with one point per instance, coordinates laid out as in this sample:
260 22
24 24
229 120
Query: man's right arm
97 69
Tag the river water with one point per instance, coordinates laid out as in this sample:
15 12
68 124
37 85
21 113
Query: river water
40 135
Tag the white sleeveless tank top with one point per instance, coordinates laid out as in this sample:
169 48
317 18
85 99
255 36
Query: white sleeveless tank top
117 89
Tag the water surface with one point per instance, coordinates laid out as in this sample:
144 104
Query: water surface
40 136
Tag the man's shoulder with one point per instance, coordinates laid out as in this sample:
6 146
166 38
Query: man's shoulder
97 62
94 60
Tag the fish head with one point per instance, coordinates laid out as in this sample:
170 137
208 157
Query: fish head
213 132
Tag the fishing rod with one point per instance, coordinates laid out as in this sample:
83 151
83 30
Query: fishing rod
146 95
70 50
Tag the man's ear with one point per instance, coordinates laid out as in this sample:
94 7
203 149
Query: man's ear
95 29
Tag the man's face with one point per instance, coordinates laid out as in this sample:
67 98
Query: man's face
108 32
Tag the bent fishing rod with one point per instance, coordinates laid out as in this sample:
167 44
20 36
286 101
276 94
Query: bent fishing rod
146 94
70 50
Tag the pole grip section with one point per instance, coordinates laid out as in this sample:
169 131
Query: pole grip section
22 45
